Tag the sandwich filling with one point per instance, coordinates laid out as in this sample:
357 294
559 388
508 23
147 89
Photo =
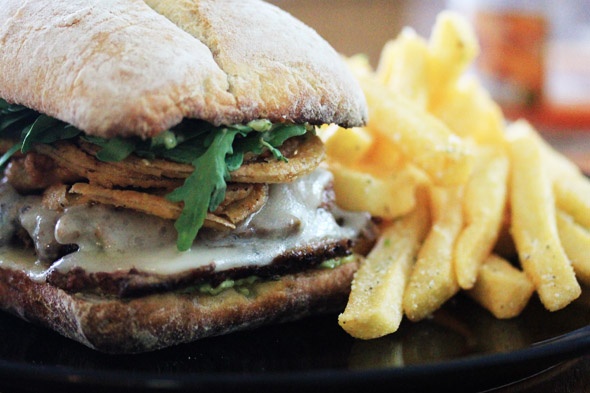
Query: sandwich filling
196 204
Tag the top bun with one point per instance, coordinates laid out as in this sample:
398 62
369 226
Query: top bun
121 68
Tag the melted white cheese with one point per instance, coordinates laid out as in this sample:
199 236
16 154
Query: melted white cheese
111 241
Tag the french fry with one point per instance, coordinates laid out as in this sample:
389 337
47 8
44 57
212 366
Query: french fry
388 197
403 66
383 157
429 143
433 280
501 288
452 46
374 307
469 111
572 195
484 206
570 186
534 227
576 243
496 192
346 144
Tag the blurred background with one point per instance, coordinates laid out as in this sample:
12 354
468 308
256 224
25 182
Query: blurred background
535 54
363 26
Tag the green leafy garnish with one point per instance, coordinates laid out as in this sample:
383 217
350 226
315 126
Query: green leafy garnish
28 127
114 149
213 151
11 117
241 285
47 130
9 153
210 174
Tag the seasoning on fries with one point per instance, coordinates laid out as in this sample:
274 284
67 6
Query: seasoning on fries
454 183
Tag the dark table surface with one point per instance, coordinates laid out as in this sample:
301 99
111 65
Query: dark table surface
572 376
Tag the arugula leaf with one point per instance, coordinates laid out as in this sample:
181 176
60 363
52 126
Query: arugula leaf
185 152
222 152
271 139
14 118
213 151
6 108
6 156
234 161
204 189
46 130
18 122
113 149
274 139
279 134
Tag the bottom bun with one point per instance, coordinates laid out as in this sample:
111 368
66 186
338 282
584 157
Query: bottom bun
133 325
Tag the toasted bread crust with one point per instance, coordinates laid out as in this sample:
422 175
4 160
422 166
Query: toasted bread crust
118 68
277 67
115 325
107 67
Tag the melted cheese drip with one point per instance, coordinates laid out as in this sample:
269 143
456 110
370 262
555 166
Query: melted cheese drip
111 241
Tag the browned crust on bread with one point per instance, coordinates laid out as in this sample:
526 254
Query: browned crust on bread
157 321
277 67
107 67
119 68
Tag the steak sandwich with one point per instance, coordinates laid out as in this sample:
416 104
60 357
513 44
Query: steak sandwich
162 180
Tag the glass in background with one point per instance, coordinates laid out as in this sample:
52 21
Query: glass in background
535 58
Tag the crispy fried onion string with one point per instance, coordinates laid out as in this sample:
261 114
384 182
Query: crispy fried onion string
241 200
303 158
141 184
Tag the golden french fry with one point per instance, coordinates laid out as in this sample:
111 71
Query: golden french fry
383 157
346 144
576 243
572 195
403 66
534 227
469 111
484 206
495 191
501 288
374 307
387 197
421 137
453 46
433 280
570 186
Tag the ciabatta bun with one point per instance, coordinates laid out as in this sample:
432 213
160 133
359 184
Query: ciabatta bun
119 68
147 323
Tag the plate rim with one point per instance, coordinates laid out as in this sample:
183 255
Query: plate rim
545 354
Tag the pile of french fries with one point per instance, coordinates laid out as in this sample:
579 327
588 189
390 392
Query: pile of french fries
468 201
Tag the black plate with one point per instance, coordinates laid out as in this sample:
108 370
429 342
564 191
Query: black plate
462 347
